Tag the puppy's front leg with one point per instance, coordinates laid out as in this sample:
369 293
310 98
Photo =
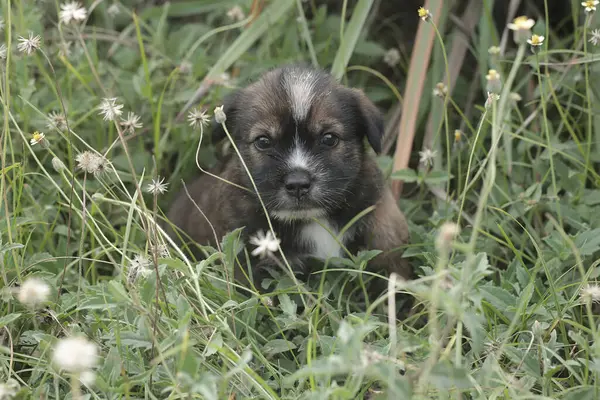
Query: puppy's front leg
387 231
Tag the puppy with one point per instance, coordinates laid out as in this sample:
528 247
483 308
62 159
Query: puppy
301 135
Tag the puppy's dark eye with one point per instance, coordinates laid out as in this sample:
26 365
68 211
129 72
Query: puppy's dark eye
263 143
329 140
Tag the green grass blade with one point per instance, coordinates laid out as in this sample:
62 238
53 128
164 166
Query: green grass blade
353 31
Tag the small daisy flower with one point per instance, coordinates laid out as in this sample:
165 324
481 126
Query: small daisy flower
57 121
446 235
590 5
521 23
392 57
113 10
265 244
197 118
424 13
3 51
33 293
236 13
131 123
591 293
30 44
521 26
157 186
220 116
595 37
494 50
72 11
427 156
493 81
110 110
57 164
138 267
38 137
491 98
75 354
92 163
440 90
536 40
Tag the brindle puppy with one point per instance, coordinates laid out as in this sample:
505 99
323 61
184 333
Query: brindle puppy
301 135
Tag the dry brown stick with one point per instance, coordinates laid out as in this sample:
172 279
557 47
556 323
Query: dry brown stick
415 81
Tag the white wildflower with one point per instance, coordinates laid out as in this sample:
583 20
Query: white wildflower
75 354
591 293
109 109
161 250
72 11
521 23
33 292
427 156
521 26
220 116
590 5
38 137
494 50
157 186
131 123
197 118
440 90
265 244
3 51
236 13
30 44
92 163
57 121
392 57
595 37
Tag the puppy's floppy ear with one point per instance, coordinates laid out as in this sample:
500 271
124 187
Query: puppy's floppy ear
230 107
371 118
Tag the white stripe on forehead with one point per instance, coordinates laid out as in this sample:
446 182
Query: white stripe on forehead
298 157
300 88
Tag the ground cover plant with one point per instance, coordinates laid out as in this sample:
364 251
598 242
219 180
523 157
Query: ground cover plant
492 140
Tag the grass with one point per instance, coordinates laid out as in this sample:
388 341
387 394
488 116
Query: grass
504 310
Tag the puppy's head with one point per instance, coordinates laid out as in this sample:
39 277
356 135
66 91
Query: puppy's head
301 135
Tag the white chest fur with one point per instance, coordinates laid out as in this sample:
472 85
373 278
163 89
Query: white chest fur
322 242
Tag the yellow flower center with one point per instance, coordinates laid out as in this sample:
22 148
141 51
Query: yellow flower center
37 136
423 12
457 135
493 75
536 40
589 3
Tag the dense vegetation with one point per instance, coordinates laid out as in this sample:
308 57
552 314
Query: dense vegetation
499 148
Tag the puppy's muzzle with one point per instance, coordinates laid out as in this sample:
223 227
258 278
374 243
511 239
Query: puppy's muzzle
297 184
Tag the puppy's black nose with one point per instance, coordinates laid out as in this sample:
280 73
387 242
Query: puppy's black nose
297 183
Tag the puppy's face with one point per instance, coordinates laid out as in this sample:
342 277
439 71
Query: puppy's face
301 136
